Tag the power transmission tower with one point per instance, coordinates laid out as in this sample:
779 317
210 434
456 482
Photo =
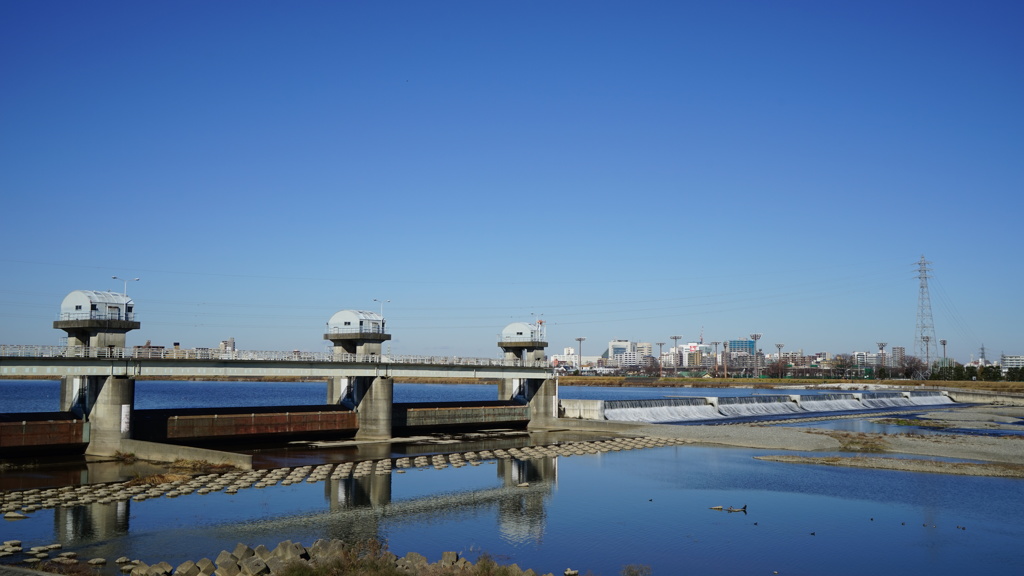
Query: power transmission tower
924 338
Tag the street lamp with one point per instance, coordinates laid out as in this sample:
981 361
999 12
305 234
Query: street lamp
943 342
780 347
676 362
661 353
382 302
716 357
579 350
757 361
126 281
725 359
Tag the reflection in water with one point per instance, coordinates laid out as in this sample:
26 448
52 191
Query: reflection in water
94 522
639 506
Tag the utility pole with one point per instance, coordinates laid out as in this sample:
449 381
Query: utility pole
579 363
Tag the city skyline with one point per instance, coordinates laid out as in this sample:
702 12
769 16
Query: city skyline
619 170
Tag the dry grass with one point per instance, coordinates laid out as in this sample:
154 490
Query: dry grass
200 466
156 479
125 457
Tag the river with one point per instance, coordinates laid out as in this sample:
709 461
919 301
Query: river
591 512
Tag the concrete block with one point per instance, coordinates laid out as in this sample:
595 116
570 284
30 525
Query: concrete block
449 558
276 565
254 566
161 569
206 567
262 552
226 569
187 568
242 552
288 550
225 558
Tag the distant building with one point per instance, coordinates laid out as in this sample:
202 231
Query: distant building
1007 362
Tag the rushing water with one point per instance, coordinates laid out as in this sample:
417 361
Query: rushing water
593 512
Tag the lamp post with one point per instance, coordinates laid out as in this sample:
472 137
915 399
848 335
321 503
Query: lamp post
716 357
780 347
676 362
725 359
661 367
579 351
126 281
382 302
757 361
943 342
881 353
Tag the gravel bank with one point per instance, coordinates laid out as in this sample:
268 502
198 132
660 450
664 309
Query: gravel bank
905 464
993 449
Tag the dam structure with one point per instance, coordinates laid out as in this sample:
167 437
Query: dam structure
97 373
701 409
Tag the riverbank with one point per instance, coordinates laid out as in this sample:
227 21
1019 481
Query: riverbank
786 383
1002 450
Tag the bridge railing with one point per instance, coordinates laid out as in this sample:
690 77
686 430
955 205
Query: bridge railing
145 353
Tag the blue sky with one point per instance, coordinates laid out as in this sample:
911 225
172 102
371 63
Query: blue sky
630 170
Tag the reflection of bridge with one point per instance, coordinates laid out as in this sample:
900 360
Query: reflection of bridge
103 528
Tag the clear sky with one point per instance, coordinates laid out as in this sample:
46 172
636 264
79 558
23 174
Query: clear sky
630 170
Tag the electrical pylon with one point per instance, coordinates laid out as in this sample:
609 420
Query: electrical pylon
924 338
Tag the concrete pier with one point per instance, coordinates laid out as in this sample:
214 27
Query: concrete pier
374 409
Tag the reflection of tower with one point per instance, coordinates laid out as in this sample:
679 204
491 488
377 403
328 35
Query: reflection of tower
95 522
924 336
521 516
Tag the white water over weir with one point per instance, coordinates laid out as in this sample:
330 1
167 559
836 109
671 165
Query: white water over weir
711 408
660 410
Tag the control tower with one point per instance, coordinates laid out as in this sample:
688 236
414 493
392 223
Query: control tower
524 342
361 333
96 324
96 320
356 332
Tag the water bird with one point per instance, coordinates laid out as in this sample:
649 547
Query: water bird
812 533
731 509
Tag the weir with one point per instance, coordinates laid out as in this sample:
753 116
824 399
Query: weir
694 409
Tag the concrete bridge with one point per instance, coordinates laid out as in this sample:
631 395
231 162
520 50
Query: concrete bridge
98 371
